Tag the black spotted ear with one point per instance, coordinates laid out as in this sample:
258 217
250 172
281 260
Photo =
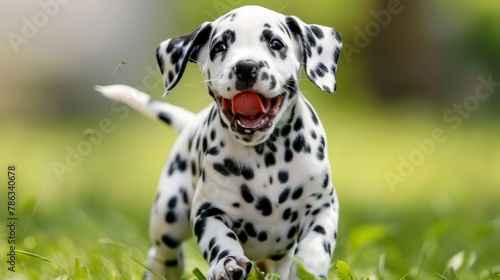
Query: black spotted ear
320 52
173 54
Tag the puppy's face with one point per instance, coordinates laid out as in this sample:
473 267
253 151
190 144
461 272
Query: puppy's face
252 71
251 60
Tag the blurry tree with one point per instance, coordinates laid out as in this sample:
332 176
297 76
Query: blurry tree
431 51
402 57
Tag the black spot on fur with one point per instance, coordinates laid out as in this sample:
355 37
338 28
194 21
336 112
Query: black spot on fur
287 213
184 195
211 243
237 224
193 168
264 76
297 193
294 27
312 75
171 263
285 131
320 50
271 146
169 241
250 230
246 194
170 217
336 55
319 229
317 32
291 232
266 35
159 59
269 159
272 84
259 149
247 172
214 252
172 202
177 164
321 153
264 205
214 150
231 165
285 194
337 36
299 143
242 236
313 134
278 257
327 247
298 124
262 236
212 134
223 255
170 76
288 155
321 69
326 181
231 235
310 37
221 169
283 176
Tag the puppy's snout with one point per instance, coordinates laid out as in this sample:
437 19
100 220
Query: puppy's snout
246 70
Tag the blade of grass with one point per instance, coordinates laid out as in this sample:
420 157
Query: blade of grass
198 274
33 255
343 270
257 272
421 264
145 266
81 271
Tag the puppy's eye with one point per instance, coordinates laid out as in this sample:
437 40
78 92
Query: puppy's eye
276 44
219 47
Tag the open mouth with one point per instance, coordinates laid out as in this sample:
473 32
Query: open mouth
249 111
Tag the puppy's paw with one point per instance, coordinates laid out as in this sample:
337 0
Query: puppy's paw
230 268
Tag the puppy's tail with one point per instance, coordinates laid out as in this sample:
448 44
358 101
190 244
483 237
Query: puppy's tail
175 116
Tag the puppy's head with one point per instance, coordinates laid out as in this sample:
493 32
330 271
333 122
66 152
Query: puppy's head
251 59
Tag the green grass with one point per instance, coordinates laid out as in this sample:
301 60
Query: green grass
93 223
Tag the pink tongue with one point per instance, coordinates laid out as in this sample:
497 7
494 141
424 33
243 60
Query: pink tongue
247 103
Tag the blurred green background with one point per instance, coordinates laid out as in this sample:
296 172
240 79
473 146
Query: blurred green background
413 132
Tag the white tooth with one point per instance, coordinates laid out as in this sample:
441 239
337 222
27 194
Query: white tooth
247 131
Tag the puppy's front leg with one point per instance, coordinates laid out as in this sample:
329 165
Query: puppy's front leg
316 246
219 244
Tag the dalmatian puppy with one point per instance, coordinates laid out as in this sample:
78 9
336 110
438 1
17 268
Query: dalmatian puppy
249 175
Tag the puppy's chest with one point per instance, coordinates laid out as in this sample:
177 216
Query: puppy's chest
268 192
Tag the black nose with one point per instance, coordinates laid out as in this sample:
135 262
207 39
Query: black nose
246 70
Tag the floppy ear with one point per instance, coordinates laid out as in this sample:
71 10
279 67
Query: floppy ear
320 51
173 54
